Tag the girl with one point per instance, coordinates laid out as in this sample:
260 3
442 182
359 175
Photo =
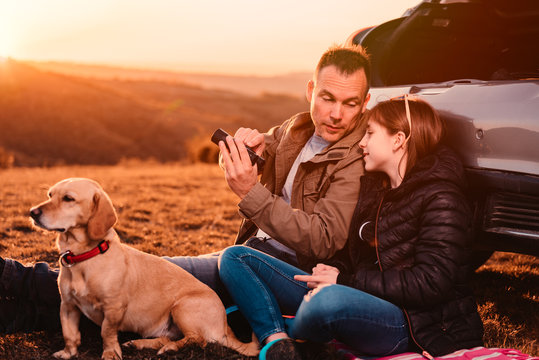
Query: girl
399 283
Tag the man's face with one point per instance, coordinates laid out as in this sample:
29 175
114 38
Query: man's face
337 101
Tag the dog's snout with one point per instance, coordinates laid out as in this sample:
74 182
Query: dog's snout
35 213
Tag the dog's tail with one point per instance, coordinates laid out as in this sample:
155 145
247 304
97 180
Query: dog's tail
248 349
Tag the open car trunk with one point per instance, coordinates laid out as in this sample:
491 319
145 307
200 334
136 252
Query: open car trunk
449 40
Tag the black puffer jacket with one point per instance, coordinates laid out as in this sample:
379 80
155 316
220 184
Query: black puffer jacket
418 259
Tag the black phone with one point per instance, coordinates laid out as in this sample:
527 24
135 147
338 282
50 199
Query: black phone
220 135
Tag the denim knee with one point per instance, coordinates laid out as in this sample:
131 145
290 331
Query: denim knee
231 254
364 322
320 304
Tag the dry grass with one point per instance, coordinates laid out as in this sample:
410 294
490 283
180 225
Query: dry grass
188 210
507 290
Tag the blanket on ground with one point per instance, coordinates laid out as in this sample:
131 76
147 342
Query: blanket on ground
477 353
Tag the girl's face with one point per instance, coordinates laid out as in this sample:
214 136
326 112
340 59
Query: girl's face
378 148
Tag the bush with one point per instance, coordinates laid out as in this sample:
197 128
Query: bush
200 149
6 159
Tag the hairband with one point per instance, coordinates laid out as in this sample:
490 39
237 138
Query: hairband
408 117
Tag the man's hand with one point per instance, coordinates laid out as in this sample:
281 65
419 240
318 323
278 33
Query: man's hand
322 275
251 138
240 175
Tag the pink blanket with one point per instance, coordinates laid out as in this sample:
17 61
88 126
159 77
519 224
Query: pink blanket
478 353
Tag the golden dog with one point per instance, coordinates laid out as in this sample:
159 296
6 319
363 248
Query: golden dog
121 288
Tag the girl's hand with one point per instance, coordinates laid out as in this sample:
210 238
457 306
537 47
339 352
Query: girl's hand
322 275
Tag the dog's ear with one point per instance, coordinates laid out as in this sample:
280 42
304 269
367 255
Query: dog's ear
103 217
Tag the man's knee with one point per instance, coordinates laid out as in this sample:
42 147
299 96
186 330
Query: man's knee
205 269
202 264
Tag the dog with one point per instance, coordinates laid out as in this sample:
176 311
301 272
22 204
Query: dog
121 288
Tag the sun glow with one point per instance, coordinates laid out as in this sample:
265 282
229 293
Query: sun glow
233 36
6 45
7 36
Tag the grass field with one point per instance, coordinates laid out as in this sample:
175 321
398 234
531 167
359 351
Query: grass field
188 210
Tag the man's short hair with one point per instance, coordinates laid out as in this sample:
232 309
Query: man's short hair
347 59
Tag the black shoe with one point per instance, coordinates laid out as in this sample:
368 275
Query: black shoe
280 349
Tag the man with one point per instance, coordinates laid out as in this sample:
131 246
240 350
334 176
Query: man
317 174
299 211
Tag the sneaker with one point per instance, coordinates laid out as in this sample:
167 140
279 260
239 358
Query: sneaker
280 349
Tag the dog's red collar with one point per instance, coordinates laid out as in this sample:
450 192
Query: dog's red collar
68 259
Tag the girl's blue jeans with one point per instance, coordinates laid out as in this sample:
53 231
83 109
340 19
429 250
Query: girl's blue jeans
264 289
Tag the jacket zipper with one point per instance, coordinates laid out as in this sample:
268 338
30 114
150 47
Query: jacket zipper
376 233
424 352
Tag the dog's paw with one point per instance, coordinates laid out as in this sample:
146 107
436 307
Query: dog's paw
63 354
130 344
171 346
111 355
146 343
135 344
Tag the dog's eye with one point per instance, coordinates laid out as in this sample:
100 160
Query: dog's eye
67 198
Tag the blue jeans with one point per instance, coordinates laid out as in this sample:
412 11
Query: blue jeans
205 267
264 289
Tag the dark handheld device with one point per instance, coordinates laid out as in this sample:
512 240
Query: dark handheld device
220 135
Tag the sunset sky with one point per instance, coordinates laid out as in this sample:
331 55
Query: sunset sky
216 36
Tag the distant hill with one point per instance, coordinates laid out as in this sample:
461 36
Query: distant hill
49 118
293 84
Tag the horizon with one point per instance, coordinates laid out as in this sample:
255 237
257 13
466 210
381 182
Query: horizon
149 68
251 37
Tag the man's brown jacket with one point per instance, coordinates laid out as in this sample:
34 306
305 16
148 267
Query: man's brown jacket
324 192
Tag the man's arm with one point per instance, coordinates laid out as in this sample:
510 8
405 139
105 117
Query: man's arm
323 230
318 235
